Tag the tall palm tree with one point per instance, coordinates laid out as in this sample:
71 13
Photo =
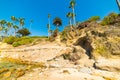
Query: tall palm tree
69 15
72 5
14 19
15 29
118 3
10 25
21 21
31 22
2 25
48 25
57 22
5 31
0 29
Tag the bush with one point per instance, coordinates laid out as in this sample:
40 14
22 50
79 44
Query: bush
94 18
22 41
10 40
16 44
110 19
15 41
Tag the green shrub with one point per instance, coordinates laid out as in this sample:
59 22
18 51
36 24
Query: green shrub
110 19
22 41
94 18
10 40
16 44
15 41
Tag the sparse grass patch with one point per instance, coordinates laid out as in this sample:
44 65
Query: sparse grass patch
66 56
101 49
66 71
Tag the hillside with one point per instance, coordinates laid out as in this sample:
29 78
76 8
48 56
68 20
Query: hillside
90 51
100 44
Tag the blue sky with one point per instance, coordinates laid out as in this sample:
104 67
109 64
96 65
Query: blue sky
38 10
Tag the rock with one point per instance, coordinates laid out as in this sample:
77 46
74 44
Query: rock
85 62
54 66
108 64
86 70
78 53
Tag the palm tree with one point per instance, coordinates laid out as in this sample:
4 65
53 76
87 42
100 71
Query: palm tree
72 5
118 3
48 25
5 31
69 15
15 28
51 32
2 25
9 25
57 22
2 22
21 21
0 29
13 18
31 22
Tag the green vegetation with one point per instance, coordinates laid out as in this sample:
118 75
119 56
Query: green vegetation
72 6
15 27
48 25
110 19
66 56
23 32
16 41
57 22
13 68
94 18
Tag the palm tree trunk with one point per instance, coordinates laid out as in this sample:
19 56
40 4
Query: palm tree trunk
118 3
70 21
15 33
10 31
49 28
74 20
30 26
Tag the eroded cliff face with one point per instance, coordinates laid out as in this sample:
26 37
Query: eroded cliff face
100 41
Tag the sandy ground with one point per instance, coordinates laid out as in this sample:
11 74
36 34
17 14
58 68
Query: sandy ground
70 74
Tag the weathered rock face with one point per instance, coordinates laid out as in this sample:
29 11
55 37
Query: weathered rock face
108 64
37 53
77 53
102 41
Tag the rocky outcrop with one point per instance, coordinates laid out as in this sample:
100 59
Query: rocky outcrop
36 53
108 64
